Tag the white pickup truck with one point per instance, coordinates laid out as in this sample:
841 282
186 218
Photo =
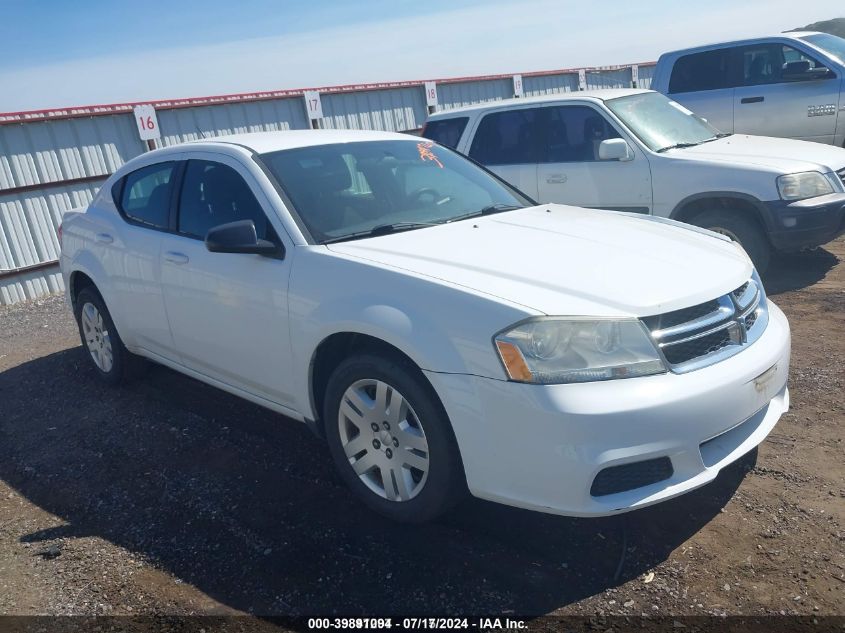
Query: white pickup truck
636 150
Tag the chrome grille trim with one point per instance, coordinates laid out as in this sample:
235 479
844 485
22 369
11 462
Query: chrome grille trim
724 311
741 314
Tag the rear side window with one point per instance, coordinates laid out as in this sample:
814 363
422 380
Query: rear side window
214 194
144 195
709 70
446 131
507 138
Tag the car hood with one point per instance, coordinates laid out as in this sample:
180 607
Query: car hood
563 260
779 154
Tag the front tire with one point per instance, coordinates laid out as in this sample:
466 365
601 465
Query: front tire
390 439
740 229
100 340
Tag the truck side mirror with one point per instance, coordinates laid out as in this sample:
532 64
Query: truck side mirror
615 149
801 71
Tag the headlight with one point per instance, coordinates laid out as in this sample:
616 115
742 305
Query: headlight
808 184
556 350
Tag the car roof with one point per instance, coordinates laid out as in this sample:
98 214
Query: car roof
262 142
600 94
789 35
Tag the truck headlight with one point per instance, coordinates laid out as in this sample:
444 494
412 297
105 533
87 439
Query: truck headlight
553 350
808 184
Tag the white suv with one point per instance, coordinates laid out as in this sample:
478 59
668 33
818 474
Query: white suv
637 151
438 328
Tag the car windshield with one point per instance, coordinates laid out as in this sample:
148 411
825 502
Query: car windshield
358 189
830 44
661 123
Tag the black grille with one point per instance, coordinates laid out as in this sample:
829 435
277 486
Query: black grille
629 476
671 319
682 352
750 319
841 174
738 292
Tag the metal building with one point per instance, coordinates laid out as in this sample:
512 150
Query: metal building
55 160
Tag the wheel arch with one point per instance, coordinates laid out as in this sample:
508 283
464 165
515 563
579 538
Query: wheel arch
340 345
734 201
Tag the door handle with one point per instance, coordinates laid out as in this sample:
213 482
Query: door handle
752 100
104 238
176 258
556 179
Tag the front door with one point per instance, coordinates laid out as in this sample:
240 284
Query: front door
228 312
770 102
570 171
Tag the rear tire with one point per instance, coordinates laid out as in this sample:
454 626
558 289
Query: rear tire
741 229
390 439
101 342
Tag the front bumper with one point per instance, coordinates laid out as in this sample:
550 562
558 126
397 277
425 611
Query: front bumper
541 446
805 223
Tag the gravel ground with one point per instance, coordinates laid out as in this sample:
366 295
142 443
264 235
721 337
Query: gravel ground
169 497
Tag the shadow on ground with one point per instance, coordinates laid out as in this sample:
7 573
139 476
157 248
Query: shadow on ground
795 271
243 504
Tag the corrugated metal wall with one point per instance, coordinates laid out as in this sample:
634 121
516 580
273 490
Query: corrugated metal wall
50 166
190 124
393 110
66 149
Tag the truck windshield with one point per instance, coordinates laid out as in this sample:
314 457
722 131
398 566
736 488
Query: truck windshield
362 189
830 44
661 123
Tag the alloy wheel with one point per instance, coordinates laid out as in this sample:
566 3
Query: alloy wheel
383 439
97 337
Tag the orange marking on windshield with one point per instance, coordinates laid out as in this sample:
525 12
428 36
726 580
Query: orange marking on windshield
427 154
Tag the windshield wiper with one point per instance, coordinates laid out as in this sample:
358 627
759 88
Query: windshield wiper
387 229
381 229
676 146
717 137
499 207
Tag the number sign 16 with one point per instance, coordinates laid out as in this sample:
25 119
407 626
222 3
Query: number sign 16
147 122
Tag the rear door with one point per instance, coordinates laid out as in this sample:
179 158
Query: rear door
570 171
131 255
703 82
507 142
447 132
766 103
228 312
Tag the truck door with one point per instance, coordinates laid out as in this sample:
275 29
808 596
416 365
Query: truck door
782 91
702 82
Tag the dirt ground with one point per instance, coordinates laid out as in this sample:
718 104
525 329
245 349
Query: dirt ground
170 497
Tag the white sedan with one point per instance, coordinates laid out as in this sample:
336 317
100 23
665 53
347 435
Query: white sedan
442 331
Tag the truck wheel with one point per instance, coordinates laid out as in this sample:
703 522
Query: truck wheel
112 361
391 440
740 229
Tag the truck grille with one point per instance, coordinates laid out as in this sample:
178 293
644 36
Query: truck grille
706 333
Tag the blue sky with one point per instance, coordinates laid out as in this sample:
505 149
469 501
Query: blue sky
59 52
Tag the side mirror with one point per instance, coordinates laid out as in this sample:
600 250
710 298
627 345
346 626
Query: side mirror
801 71
239 237
615 149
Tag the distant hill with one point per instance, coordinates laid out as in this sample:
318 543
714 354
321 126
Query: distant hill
836 26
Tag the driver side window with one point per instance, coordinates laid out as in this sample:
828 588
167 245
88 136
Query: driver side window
214 194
